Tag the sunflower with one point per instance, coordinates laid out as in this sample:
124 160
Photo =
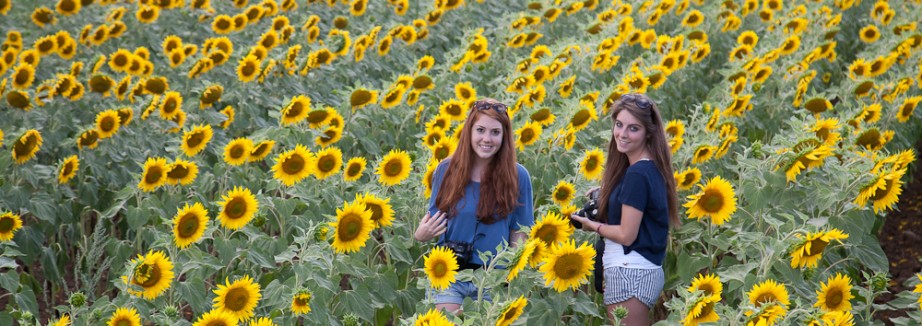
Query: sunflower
394 167
211 95
171 105
441 267
771 293
88 139
262 321
354 168
124 316
353 227
261 150
433 317
810 249
43 16
154 175
296 110
581 118
68 169
229 113
362 97
563 193
9 224
869 34
835 294
107 123
465 92
19 100
238 207
27 145
294 165
884 191
444 148
527 134
381 211
522 256
301 302
147 14
195 140
716 200
330 135
592 164
248 68
904 111
237 299
568 266
551 229
63 321
23 76
693 19
237 151
150 275
181 172
328 162
189 224
918 289
515 308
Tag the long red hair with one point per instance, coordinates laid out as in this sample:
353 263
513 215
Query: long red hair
499 188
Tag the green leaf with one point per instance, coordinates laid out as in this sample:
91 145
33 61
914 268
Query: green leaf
137 217
26 300
10 281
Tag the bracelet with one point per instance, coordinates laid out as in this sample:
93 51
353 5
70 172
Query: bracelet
598 230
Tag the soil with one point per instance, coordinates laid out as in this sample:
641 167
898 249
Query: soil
901 239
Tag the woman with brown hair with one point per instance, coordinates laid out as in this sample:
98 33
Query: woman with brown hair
481 197
637 204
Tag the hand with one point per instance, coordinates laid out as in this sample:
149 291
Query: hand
589 192
431 227
585 222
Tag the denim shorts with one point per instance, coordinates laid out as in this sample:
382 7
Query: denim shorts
622 284
457 291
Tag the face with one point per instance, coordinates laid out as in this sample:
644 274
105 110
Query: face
486 137
629 134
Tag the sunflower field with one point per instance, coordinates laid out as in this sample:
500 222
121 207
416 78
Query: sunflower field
246 162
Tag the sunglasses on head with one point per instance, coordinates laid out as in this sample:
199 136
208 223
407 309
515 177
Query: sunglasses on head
499 107
638 99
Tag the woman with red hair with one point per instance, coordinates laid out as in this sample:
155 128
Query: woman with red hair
481 197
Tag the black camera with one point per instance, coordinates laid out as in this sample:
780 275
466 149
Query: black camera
464 251
590 209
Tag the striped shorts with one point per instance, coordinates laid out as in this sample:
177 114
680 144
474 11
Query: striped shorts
623 283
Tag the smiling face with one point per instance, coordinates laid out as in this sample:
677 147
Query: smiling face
486 137
630 135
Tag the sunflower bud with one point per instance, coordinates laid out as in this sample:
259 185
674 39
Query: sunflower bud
171 311
879 281
321 233
259 221
77 299
620 312
351 320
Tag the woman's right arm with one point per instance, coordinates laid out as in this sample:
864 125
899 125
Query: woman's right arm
431 227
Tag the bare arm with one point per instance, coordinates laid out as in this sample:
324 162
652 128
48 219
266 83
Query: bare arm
625 234
431 227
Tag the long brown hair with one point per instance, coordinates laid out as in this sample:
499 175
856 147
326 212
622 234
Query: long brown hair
499 188
645 110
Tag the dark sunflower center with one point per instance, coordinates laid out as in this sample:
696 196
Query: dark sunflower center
592 163
349 227
454 110
294 110
353 169
707 288
236 299
188 224
249 69
236 208
122 322
441 153
195 139
293 165
178 172
393 168
440 269
147 275
6 224
568 266
547 233
360 98
89 138
712 201
834 298
153 175
816 247
237 151
707 309
562 194
302 300
528 135
22 77
702 153
107 124
688 180
17 99
376 211
317 116
68 168
581 118
882 193
259 150
326 164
